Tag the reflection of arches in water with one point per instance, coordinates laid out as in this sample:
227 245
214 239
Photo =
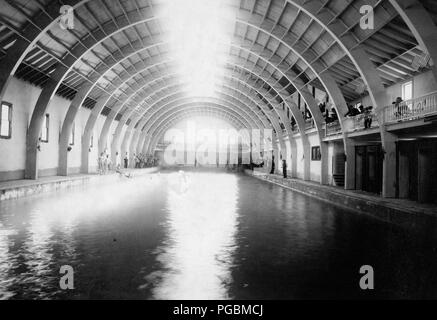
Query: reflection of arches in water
198 253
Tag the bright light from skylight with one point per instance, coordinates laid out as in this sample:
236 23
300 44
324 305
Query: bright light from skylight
197 31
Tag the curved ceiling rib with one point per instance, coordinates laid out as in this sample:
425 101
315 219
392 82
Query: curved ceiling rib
81 3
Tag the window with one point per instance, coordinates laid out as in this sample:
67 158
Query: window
72 136
315 154
407 91
92 142
45 129
6 121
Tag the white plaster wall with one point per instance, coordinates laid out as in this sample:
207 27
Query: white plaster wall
288 146
330 162
299 160
23 97
12 151
48 157
93 158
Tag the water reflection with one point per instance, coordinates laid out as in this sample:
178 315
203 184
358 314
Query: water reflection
198 253
6 263
203 236
37 234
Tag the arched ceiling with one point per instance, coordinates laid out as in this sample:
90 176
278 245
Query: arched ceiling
125 56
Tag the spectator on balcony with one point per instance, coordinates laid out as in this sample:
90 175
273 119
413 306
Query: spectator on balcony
398 107
332 115
368 117
353 111
322 107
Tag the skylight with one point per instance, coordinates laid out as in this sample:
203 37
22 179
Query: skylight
198 31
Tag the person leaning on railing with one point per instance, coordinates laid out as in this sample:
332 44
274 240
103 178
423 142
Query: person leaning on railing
398 106
368 117
353 111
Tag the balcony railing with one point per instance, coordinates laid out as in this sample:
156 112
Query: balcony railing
359 122
332 128
411 109
309 124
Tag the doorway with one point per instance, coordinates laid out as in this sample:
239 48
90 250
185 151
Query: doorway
368 168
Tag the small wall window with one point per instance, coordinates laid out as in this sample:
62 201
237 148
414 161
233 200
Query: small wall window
92 142
407 91
315 154
6 121
45 129
72 136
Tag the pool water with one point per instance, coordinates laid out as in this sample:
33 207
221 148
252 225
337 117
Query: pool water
200 235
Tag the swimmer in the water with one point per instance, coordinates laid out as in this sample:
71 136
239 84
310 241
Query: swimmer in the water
127 175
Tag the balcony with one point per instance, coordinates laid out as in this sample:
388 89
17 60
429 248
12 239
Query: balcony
332 128
411 109
359 122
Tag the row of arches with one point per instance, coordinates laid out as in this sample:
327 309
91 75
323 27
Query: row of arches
156 92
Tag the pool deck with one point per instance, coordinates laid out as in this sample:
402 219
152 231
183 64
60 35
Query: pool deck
401 212
22 188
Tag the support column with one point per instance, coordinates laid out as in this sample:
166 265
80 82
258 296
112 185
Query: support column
34 131
389 165
146 144
115 146
324 168
66 133
349 178
133 142
89 132
276 148
293 159
124 145
103 139
306 159
141 141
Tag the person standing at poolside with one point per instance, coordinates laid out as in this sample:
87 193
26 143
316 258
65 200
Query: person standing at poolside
126 160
